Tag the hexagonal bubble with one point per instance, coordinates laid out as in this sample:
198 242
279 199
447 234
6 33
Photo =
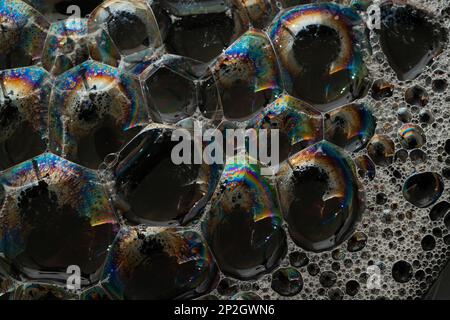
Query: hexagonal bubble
410 38
95 109
38 291
247 76
55 215
202 29
66 45
170 86
149 188
22 35
298 123
158 263
24 95
321 196
350 127
244 225
55 10
131 25
320 48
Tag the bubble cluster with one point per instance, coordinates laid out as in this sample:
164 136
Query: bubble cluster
91 95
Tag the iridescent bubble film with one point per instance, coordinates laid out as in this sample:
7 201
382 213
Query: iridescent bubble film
353 95
158 263
130 25
66 45
50 203
247 76
23 34
320 49
321 196
244 226
350 127
24 99
298 123
95 109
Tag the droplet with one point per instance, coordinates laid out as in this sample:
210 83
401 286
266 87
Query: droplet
170 89
130 25
428 242
24 96
298 259
66 45
327 279
151 189
22 35
352 288
357 242
95 110
416 96
202 30
382 89
439 210
366 168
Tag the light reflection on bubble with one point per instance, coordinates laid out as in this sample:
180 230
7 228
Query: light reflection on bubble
243 228
319 49
350 127
95 109
321 196
158 263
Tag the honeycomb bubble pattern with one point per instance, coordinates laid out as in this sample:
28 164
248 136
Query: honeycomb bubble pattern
362 114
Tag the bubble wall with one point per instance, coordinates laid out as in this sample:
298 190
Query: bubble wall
90 103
